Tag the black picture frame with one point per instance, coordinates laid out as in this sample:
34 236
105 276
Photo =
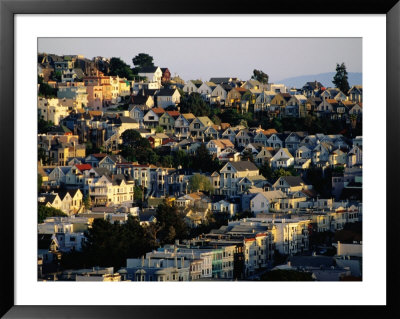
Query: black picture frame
9 8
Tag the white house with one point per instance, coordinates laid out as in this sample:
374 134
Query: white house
263 201
167 97
152 73
282 158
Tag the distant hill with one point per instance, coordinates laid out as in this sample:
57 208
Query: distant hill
324 78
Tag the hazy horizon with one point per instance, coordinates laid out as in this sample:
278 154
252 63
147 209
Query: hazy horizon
203 58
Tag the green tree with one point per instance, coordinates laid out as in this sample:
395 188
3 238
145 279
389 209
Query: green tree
46 90
159 129
341 79
138 193
194 103
181 158
260 76
169 217
44 126
44 212
131 138
203 161
266 171
120 68
199 182
142 60
87 202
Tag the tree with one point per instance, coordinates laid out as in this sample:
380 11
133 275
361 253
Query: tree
46 90
120 68
141 60
260 76
194 103
159 129
131 138
203 161
44 126
340 79
171 224
44 212
266 171
199 182
87 202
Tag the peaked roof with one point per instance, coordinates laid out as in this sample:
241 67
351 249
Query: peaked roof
293 180
148 69
244 166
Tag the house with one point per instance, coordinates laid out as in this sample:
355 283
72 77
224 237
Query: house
337 157
218 95
136 113
229 134
355 94
290 184
206 89
276 141
282 159
75 176
198 125
110 162
293 140
280 101
311 88
264 201
327 107
264 156
167 121
356 109
182 127
152 74
225 207
243 137
333 93
114 190
296 106
168 97
152 117
225 183
303 152
210 132
311 105
321 152
142 100
354 157
192 86
216 146
263 101
94 159
166 76
52 110
56 175
234 97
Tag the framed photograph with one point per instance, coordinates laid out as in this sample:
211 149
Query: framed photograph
291 141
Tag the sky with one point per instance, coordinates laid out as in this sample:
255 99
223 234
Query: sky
203 58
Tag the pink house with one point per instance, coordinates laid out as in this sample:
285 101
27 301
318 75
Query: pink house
95 97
